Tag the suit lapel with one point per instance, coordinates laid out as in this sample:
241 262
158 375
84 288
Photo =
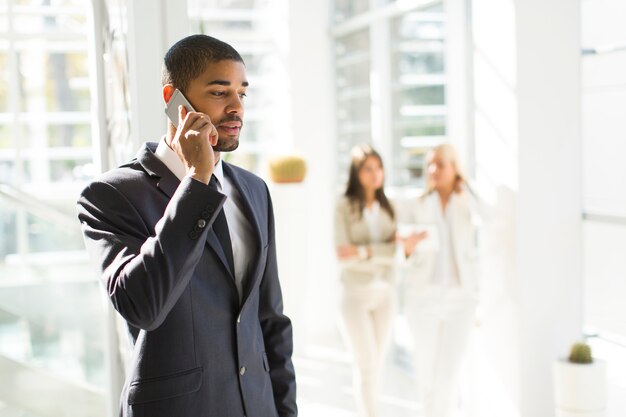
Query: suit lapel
167 182
215 244
252 215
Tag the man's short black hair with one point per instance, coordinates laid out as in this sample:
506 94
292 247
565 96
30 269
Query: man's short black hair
190 56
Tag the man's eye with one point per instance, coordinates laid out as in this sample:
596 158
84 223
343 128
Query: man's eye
217 93
242 95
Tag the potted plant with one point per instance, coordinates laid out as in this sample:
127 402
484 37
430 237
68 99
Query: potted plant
287 169
580 384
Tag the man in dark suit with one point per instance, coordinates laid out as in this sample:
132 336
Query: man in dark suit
185 246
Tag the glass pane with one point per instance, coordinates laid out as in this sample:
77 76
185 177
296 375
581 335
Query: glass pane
352 58
46 23
423 126
27 174
40 327
46 236
250 131
417 63
251 27
415 26
221 26
6 141
357 75
426 95
353 44
410 167
227 4
32 137
417 40
436 7
7 176
345 9
64 86
355 110
8 231
4 82
57 3
69 170
66 135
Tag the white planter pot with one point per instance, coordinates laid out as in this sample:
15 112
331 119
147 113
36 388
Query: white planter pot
580 389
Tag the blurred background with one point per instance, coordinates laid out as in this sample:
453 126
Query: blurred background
532 93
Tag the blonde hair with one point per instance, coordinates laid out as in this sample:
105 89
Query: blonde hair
449 153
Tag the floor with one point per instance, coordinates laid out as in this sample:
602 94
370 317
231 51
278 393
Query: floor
324 379
324 376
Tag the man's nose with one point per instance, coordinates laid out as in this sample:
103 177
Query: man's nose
235 106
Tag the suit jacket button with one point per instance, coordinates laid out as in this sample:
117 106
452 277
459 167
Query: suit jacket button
193 234
201 223
242 370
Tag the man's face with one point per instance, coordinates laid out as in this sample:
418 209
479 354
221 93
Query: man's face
219 93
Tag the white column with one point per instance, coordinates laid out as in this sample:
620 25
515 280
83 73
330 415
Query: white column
313 124
153 26
528 158
459 96
549 209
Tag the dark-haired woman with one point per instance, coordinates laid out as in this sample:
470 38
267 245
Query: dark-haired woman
365 229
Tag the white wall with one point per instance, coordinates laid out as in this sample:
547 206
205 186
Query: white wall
549 208
604 187
528 142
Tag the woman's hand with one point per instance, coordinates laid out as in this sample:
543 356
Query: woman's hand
345 252
410 242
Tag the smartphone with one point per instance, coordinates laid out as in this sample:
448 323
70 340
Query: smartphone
171 107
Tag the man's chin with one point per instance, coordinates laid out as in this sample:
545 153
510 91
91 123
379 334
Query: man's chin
226 145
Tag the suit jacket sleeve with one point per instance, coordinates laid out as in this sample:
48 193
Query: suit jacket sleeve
342 235
145 271
277 330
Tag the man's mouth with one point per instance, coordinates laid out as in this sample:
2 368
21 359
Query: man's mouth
231 129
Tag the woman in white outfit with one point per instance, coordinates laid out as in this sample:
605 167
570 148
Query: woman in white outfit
365 231
440 286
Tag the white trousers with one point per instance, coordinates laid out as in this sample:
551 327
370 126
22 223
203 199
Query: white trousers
367 313
441 320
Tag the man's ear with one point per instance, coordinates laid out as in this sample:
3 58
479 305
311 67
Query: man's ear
168 90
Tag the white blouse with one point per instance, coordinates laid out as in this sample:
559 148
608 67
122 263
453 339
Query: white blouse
371 216
445 272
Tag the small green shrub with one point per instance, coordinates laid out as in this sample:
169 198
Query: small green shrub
580 353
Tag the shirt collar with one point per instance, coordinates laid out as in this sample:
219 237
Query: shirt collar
170 159
174 164
218 171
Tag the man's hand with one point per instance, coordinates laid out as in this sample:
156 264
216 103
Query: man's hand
193 143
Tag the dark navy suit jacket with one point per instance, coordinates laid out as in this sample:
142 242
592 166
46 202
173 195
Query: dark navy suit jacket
198 351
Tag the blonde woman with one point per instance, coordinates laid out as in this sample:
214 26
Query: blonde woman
365 229
440 287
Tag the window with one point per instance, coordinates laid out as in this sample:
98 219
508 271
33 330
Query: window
391 83
45 158
258 30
